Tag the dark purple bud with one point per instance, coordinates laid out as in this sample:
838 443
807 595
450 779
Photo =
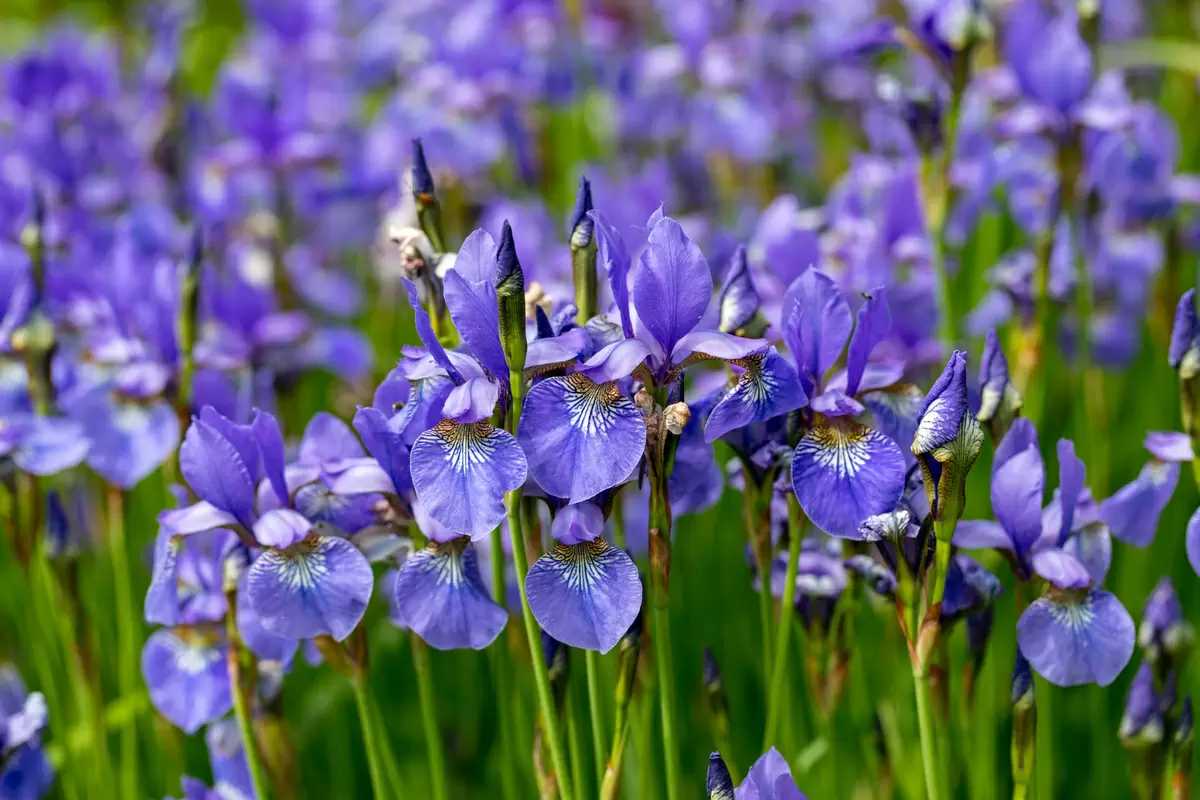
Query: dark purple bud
1142 721
422 178
581 223
1164 632
1185 333
718 784
1022 681
712 670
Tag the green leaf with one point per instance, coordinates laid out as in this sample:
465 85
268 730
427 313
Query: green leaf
1180 55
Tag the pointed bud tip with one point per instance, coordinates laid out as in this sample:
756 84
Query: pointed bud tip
718 783
422 178
507 262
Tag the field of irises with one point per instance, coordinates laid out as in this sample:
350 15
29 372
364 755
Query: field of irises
741 399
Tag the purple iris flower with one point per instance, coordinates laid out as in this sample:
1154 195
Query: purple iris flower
585 592
305 582
1076 633
184 665
842 471
769 779
42 445
25 772
439 591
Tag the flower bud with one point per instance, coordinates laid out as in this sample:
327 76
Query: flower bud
999 401
714 693
1024 731
1184 357
627 657
510 295
719 783
676 417
1164 634
946 444
429 212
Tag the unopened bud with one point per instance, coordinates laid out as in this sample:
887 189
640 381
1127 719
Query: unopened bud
718 784
1024 731
644 401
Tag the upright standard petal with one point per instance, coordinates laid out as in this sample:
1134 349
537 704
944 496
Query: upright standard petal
614 257
874 321
580 437
844 472
440 594
1017 489
271 452
1092 547
1132 512
213 466
1071 477
318 586
767 387
769 779
327 438
476 315
738 300
476 260
425 332
461 472
186 674
585 595
816 323
1076 637
386 447
673 285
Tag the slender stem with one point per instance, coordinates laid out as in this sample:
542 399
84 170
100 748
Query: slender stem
928 736
241 684
760 541
591 660
782 645
1044 770
371 736
433 736
574 743
541 676
390 769
660 559
127 639
500 669
618 521
610 786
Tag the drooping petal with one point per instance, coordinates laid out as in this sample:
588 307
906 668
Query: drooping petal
767 387
769 779
873 325
1061 568
186 674
51 445
440 594
1077 637
816 323
476 315
319 586
585 595
1017 497
263 643
130 441
226 753
673 285
580 437
702 344
1132 512
844 472
216 471
614 257
461 472
1169 446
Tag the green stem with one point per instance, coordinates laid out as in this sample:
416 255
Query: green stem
574 743
541 676
591 660
660 561
372 740
939 190
1044 770
503 677
782 645
928 730
433 736
241 687
760 541
610 786
127 639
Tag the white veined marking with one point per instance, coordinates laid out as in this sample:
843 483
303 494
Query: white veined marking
1075 616
840 451
466 446
190 658
591 406
446 563
1158 472
302 568
580 565
755 383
